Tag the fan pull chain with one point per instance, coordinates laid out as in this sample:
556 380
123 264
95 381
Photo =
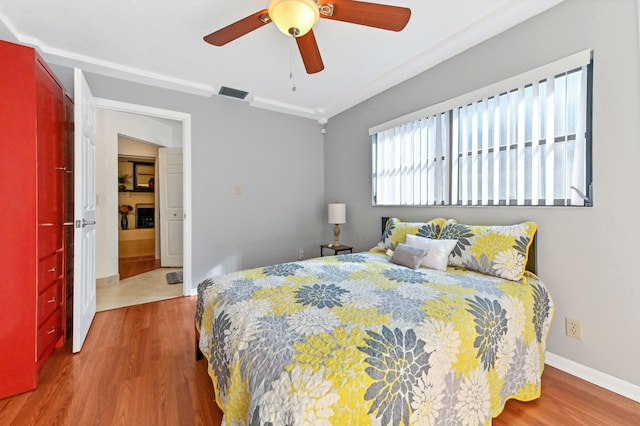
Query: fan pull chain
292 62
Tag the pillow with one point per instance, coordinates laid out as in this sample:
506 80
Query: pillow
396 232
500 251
439 251
408 256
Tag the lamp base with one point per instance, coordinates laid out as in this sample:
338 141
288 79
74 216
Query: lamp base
336 236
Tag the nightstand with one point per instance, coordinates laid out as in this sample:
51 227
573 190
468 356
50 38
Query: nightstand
336 249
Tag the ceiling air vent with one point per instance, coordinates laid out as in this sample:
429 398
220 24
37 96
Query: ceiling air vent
233 93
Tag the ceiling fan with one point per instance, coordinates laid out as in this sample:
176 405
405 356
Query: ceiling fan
297 17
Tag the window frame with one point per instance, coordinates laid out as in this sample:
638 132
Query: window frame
562 68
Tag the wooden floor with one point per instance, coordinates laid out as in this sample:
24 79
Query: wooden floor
130 266
569 401
137 367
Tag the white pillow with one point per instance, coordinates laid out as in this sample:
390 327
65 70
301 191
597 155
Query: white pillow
439 250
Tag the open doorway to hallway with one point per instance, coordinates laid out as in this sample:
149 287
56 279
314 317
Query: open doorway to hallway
136 142
95 201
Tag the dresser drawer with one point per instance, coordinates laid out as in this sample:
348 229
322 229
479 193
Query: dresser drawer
49 332
49 301
49 269
49 239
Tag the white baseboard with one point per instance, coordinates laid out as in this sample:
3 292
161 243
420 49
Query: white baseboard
619 386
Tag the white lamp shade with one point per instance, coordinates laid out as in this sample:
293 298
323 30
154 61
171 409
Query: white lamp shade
300 15
337 213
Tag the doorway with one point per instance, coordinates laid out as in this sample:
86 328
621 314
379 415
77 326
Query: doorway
87 198
147 210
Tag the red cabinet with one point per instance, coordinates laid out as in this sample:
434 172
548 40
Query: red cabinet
68 217
33 171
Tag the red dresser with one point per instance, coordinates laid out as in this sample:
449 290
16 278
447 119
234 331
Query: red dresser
33 171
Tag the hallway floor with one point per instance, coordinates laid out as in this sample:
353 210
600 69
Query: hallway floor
147 287
130 266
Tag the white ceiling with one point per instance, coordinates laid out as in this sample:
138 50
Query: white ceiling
159 42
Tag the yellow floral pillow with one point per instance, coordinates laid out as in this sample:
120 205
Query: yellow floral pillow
396 232
500 251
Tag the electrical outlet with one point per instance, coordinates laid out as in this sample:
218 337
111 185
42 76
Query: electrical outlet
573 328
300 254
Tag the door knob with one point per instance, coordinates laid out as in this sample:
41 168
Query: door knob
82 223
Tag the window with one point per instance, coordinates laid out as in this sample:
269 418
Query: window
524 141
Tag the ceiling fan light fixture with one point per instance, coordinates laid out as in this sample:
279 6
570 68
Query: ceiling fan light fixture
294 17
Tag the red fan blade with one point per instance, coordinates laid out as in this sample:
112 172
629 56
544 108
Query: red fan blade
310 53
237 29
381 16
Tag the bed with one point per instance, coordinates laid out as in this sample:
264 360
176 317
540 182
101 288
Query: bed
364 338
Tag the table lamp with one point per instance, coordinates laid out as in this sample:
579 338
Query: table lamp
337 215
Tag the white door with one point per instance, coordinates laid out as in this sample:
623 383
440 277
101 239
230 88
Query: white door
84 264
171 213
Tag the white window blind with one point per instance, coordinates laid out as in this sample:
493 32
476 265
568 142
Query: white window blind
409 163
523 145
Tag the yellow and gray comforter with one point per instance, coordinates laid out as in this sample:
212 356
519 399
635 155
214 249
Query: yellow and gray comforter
355 340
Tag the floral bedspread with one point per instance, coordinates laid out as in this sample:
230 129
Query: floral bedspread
354 340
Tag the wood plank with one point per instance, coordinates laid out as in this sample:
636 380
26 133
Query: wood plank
137 367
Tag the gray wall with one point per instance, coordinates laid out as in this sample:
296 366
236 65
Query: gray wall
275 158
586 256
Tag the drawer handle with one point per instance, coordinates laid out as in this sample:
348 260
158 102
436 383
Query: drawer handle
46 224
52 300
52 270
64 169
53 330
